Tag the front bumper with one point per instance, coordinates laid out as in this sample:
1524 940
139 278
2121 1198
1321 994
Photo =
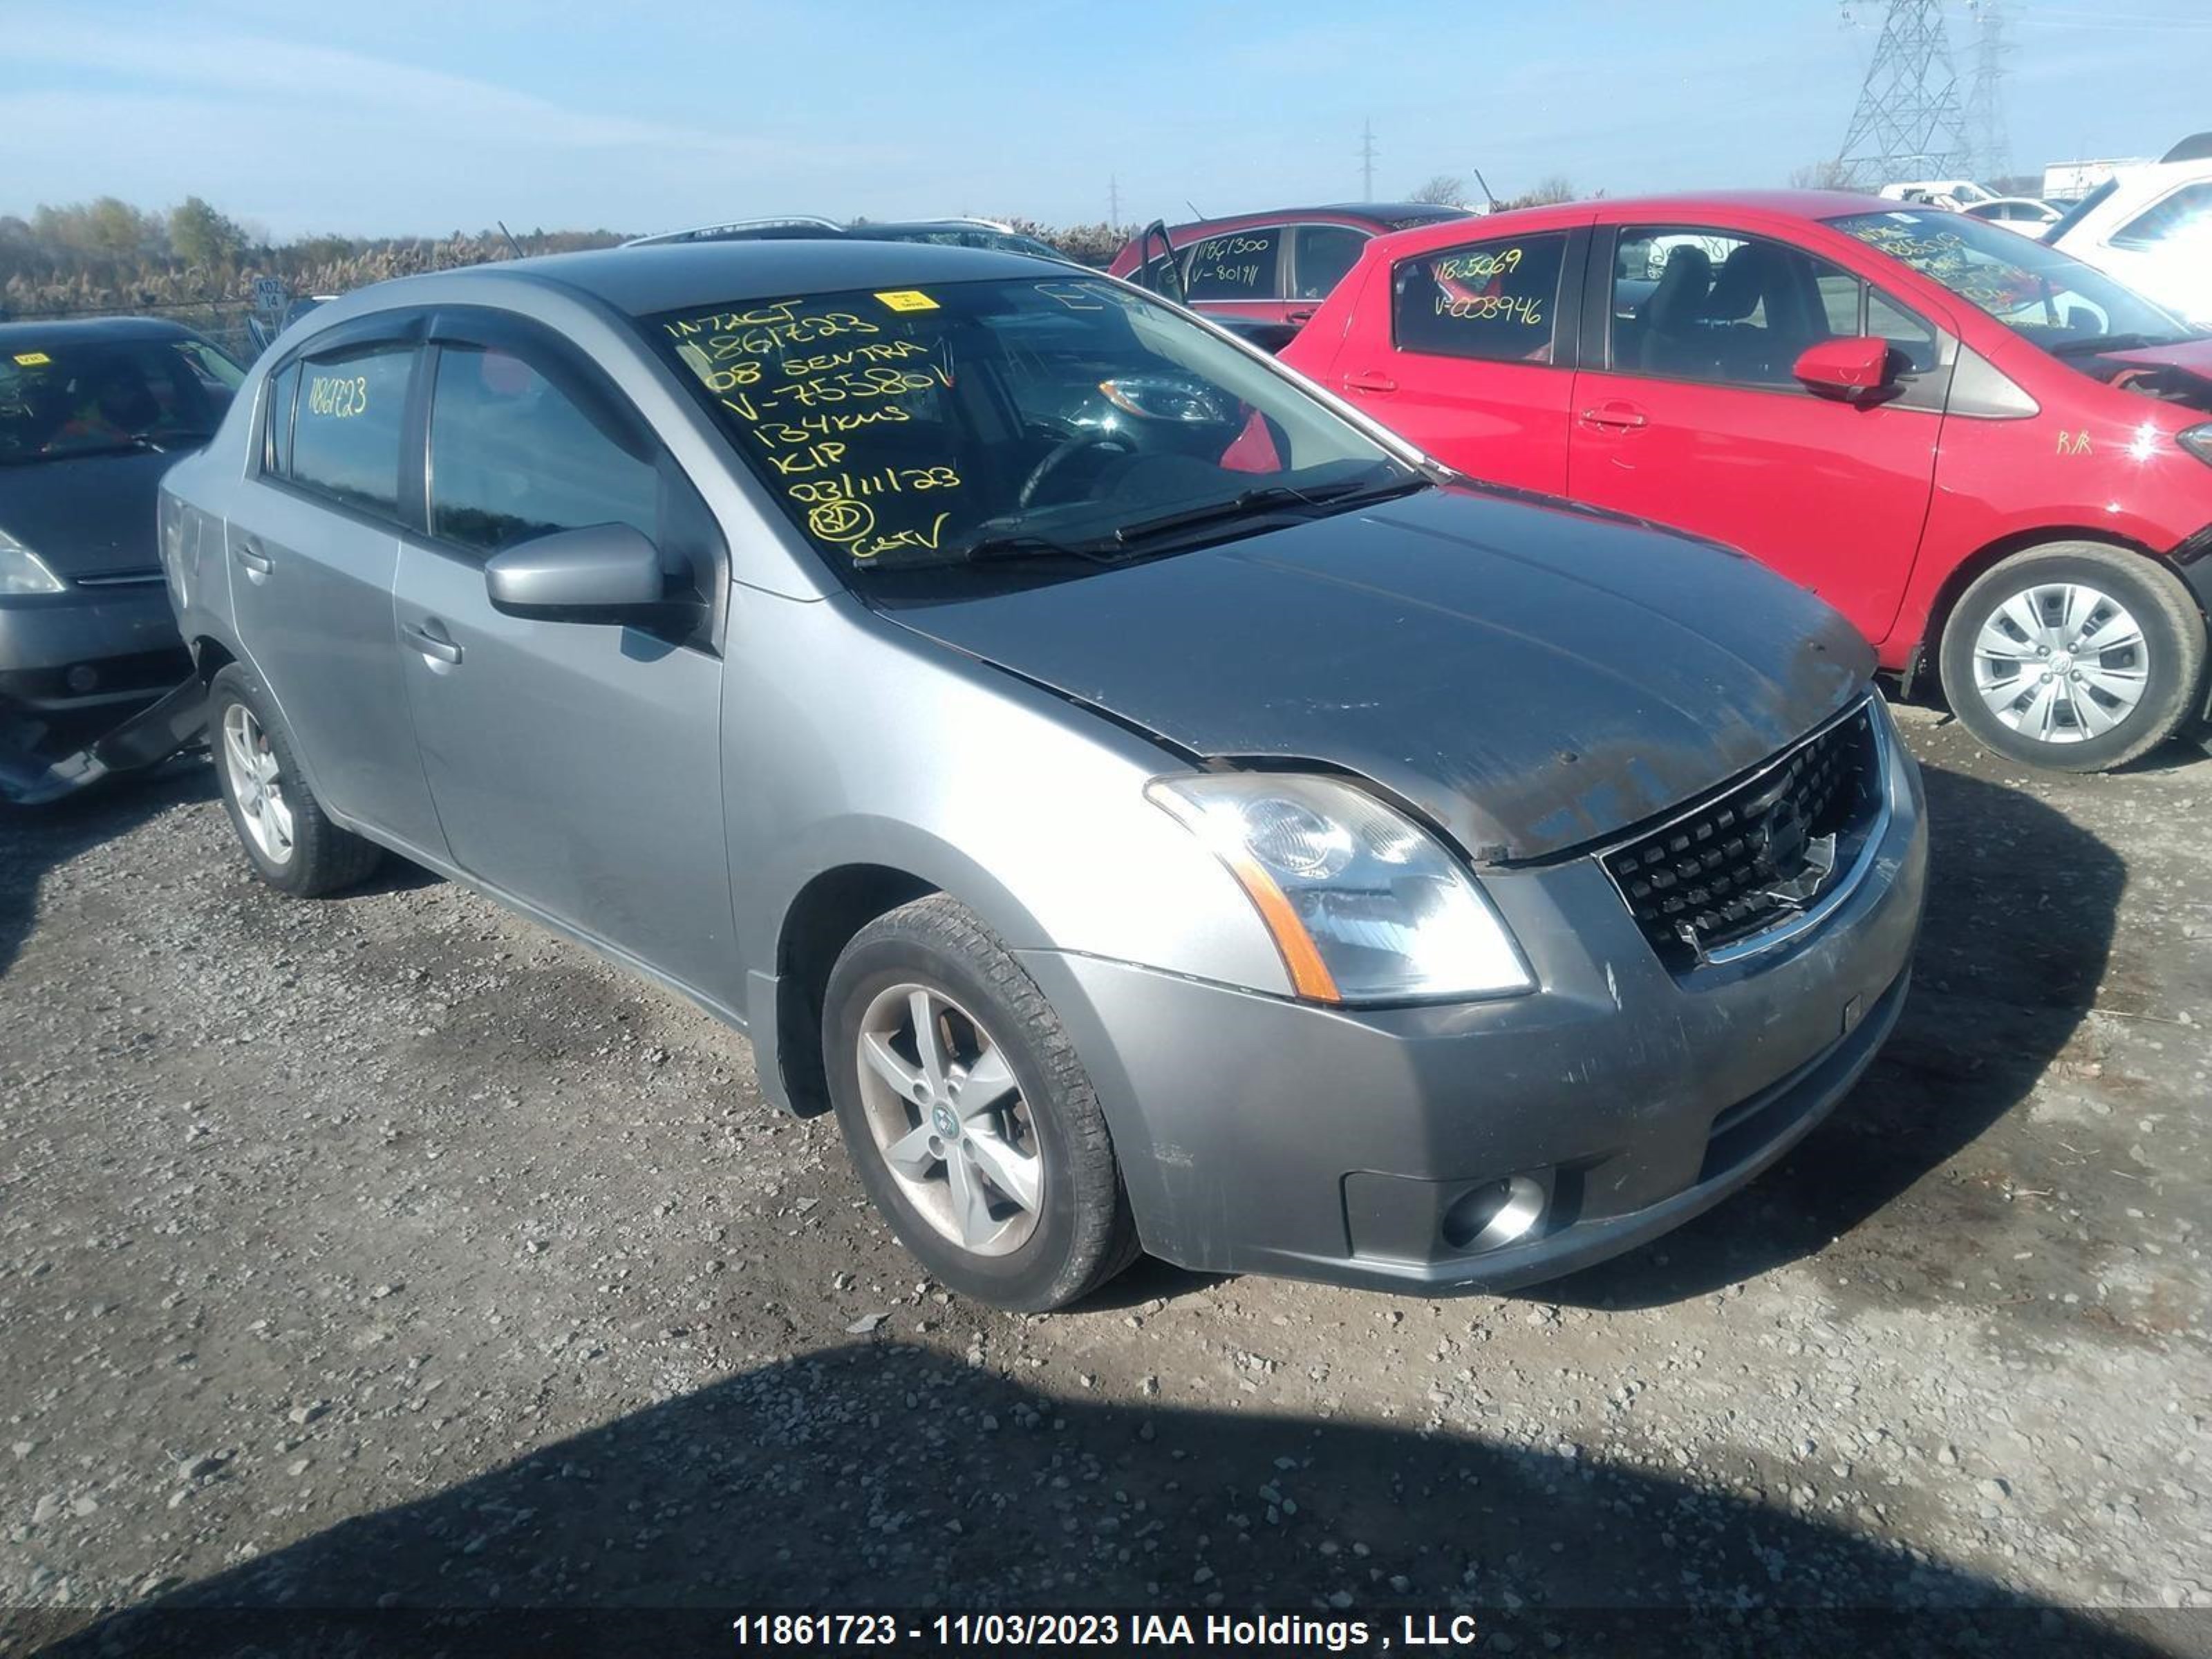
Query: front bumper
1257 1134
119 644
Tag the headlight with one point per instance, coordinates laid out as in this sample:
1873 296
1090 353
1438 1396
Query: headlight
1165 397
21 572
1363 903
2198 441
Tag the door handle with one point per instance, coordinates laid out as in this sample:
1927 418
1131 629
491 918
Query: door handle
1616 416
431 640
1303 314
256 561
1369 382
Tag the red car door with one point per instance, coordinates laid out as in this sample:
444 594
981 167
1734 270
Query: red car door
1457 349
1690 413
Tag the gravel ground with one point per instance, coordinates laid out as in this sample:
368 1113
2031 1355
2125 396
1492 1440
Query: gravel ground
387 1251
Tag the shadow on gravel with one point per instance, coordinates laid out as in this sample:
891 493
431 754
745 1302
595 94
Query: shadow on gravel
35 839
2019 921
886 1476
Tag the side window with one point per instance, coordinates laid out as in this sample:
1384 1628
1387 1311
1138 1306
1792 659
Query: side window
1238 264
1703 305
514 456
2186 213
1911 339
1321 255
1497 300
276 430
346 419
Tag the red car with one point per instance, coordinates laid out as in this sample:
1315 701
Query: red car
1274 267
1976 446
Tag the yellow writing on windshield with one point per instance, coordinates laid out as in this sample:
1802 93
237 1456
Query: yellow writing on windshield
848 413
31 359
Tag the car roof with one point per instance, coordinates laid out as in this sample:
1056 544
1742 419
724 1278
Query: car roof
60 331
641 280
1378 212
1805 204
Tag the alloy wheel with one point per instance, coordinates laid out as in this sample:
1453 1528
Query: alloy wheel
2061 662
255 783
950 1120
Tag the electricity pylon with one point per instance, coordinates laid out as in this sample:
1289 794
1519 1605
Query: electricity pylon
1908 122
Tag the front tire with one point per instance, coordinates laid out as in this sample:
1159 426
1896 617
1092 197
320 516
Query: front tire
967 1114
289 842
2074 656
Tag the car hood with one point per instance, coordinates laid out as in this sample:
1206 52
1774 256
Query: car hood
90 515
1530 675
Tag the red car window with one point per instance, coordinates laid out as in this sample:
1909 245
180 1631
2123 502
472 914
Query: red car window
1495 300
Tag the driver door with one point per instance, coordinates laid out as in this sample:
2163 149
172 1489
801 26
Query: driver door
1688 413
576 765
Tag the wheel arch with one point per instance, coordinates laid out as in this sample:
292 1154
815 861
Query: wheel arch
210 656
821 920
1983 559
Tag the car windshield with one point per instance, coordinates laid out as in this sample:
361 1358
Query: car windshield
73 396
1057 416
2039 292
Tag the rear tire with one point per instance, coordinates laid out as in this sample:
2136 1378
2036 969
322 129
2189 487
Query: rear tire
287 840
1009 1194
2074 656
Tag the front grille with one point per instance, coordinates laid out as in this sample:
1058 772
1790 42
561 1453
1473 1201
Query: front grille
1757 852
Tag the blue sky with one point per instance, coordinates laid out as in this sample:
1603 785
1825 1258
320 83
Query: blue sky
407 116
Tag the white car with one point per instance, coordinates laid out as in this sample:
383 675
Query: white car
2025 214
1937 192
2152 227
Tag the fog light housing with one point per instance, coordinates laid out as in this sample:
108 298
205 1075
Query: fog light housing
1494 1214
81 678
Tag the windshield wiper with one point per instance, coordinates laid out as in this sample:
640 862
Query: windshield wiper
2090 345
1028 544
1268 498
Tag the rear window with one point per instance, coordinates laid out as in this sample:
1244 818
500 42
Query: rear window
87 395
1497 300
347 411
1238 264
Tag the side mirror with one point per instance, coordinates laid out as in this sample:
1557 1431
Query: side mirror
1852 366
600 573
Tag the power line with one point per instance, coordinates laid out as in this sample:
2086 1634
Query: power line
1367 160
1908 122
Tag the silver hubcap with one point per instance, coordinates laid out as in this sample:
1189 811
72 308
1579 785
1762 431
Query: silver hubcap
255 784
2061 662
949 1119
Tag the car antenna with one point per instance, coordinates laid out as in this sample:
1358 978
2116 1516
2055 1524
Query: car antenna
511 242
1193 206
1485 183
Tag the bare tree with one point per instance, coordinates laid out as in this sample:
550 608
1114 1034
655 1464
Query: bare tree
1556 188
1443 189
1820 175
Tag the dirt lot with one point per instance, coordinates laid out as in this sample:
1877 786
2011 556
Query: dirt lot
386 1251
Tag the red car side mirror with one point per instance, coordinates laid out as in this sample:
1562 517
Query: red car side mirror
1853 367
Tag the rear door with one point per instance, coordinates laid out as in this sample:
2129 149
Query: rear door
1689 412
576 765
313 548
1465 350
